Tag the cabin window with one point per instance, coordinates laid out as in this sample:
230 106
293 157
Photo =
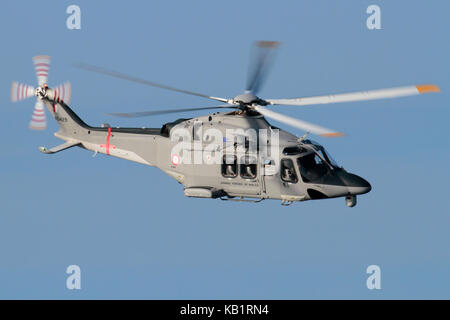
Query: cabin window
229 166
287 171
248 168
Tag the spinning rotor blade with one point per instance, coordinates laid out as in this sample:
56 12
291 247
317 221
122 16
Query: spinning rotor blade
158 112
63 93
142 81
21 91
260 61
41 65
296 123
358 96
38 121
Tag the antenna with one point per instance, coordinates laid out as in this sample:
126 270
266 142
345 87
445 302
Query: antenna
303 137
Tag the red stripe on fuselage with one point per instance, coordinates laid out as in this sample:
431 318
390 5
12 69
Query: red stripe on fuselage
108 146
107 141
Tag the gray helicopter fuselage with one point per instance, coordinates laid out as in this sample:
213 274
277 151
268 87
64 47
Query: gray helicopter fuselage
267 180
283 166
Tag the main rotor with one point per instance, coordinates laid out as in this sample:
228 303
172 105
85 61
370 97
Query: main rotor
261 59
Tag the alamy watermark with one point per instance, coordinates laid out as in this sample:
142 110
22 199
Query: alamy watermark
373 22
374 280
198 146
73 281
74 19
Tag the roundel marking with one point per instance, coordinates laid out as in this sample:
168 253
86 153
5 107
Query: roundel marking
175 160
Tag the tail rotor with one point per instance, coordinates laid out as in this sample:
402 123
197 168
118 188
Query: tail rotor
20 91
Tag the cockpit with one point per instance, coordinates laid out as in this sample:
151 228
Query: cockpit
310 163
315 165
312 160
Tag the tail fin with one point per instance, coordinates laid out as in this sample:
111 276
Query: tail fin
69 123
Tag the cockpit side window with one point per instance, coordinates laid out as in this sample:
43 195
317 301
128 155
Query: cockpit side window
287 171
229 166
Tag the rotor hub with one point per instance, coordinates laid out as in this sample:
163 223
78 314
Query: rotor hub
248 99
40 92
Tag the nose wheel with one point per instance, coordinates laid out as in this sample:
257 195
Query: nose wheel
350 201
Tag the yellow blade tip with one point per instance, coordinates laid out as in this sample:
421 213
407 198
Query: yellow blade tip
41 57
267 44
425 88
37 128
333 134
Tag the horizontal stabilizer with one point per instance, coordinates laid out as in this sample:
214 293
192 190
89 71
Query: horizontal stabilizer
59 148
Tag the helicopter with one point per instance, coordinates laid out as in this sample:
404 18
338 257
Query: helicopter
234 155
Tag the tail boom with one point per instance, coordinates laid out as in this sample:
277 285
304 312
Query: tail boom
125 143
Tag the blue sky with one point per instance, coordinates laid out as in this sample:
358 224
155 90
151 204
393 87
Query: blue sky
130 228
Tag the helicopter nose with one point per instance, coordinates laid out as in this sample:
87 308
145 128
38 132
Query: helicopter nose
356 184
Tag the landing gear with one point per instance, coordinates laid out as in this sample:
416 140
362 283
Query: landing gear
286 203
350 201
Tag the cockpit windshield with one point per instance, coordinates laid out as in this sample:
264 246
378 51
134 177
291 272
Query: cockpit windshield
321 150
323 153
312 167
317 164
